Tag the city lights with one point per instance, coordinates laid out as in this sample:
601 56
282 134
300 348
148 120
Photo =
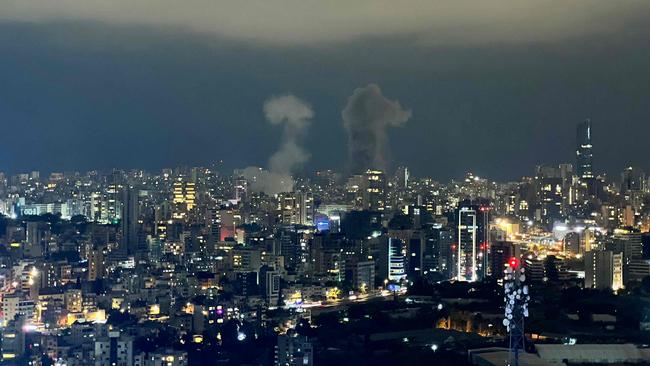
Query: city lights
304 183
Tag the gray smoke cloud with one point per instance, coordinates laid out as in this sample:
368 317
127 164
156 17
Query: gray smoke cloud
262 180
295 116
366 117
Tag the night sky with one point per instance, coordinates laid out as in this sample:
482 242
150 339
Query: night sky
90 89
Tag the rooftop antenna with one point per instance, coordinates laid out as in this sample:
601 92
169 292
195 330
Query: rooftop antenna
516 299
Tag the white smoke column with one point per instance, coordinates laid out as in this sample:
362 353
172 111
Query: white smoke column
366 117
296 116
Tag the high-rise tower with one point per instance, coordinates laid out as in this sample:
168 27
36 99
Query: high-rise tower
472 241
584 155
129 220
374 190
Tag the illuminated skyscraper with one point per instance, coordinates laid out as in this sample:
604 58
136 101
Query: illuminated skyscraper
583 150
472 242
287 209
305 208
396 260
374 190
184 197
549 185
113 192
466 265
95 263
603 270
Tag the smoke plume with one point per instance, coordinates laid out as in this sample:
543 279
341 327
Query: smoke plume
295 116
261 180
366 118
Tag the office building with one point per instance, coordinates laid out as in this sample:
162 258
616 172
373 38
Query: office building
184 197
603 270
396 260
374 190
472 242
500 254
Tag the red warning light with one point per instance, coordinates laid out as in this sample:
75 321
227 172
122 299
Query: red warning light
453 247
513 262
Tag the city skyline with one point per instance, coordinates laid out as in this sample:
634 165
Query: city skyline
302 171
324 182
108 93
582 164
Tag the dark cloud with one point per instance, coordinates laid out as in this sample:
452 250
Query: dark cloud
77 96
304 22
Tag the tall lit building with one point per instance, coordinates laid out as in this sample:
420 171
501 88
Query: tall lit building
396 260
113 192
466 260
287 209
472 241
296 208
549 193
583 150
603 270
95 264
305 208
500 254
184 198
374 190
